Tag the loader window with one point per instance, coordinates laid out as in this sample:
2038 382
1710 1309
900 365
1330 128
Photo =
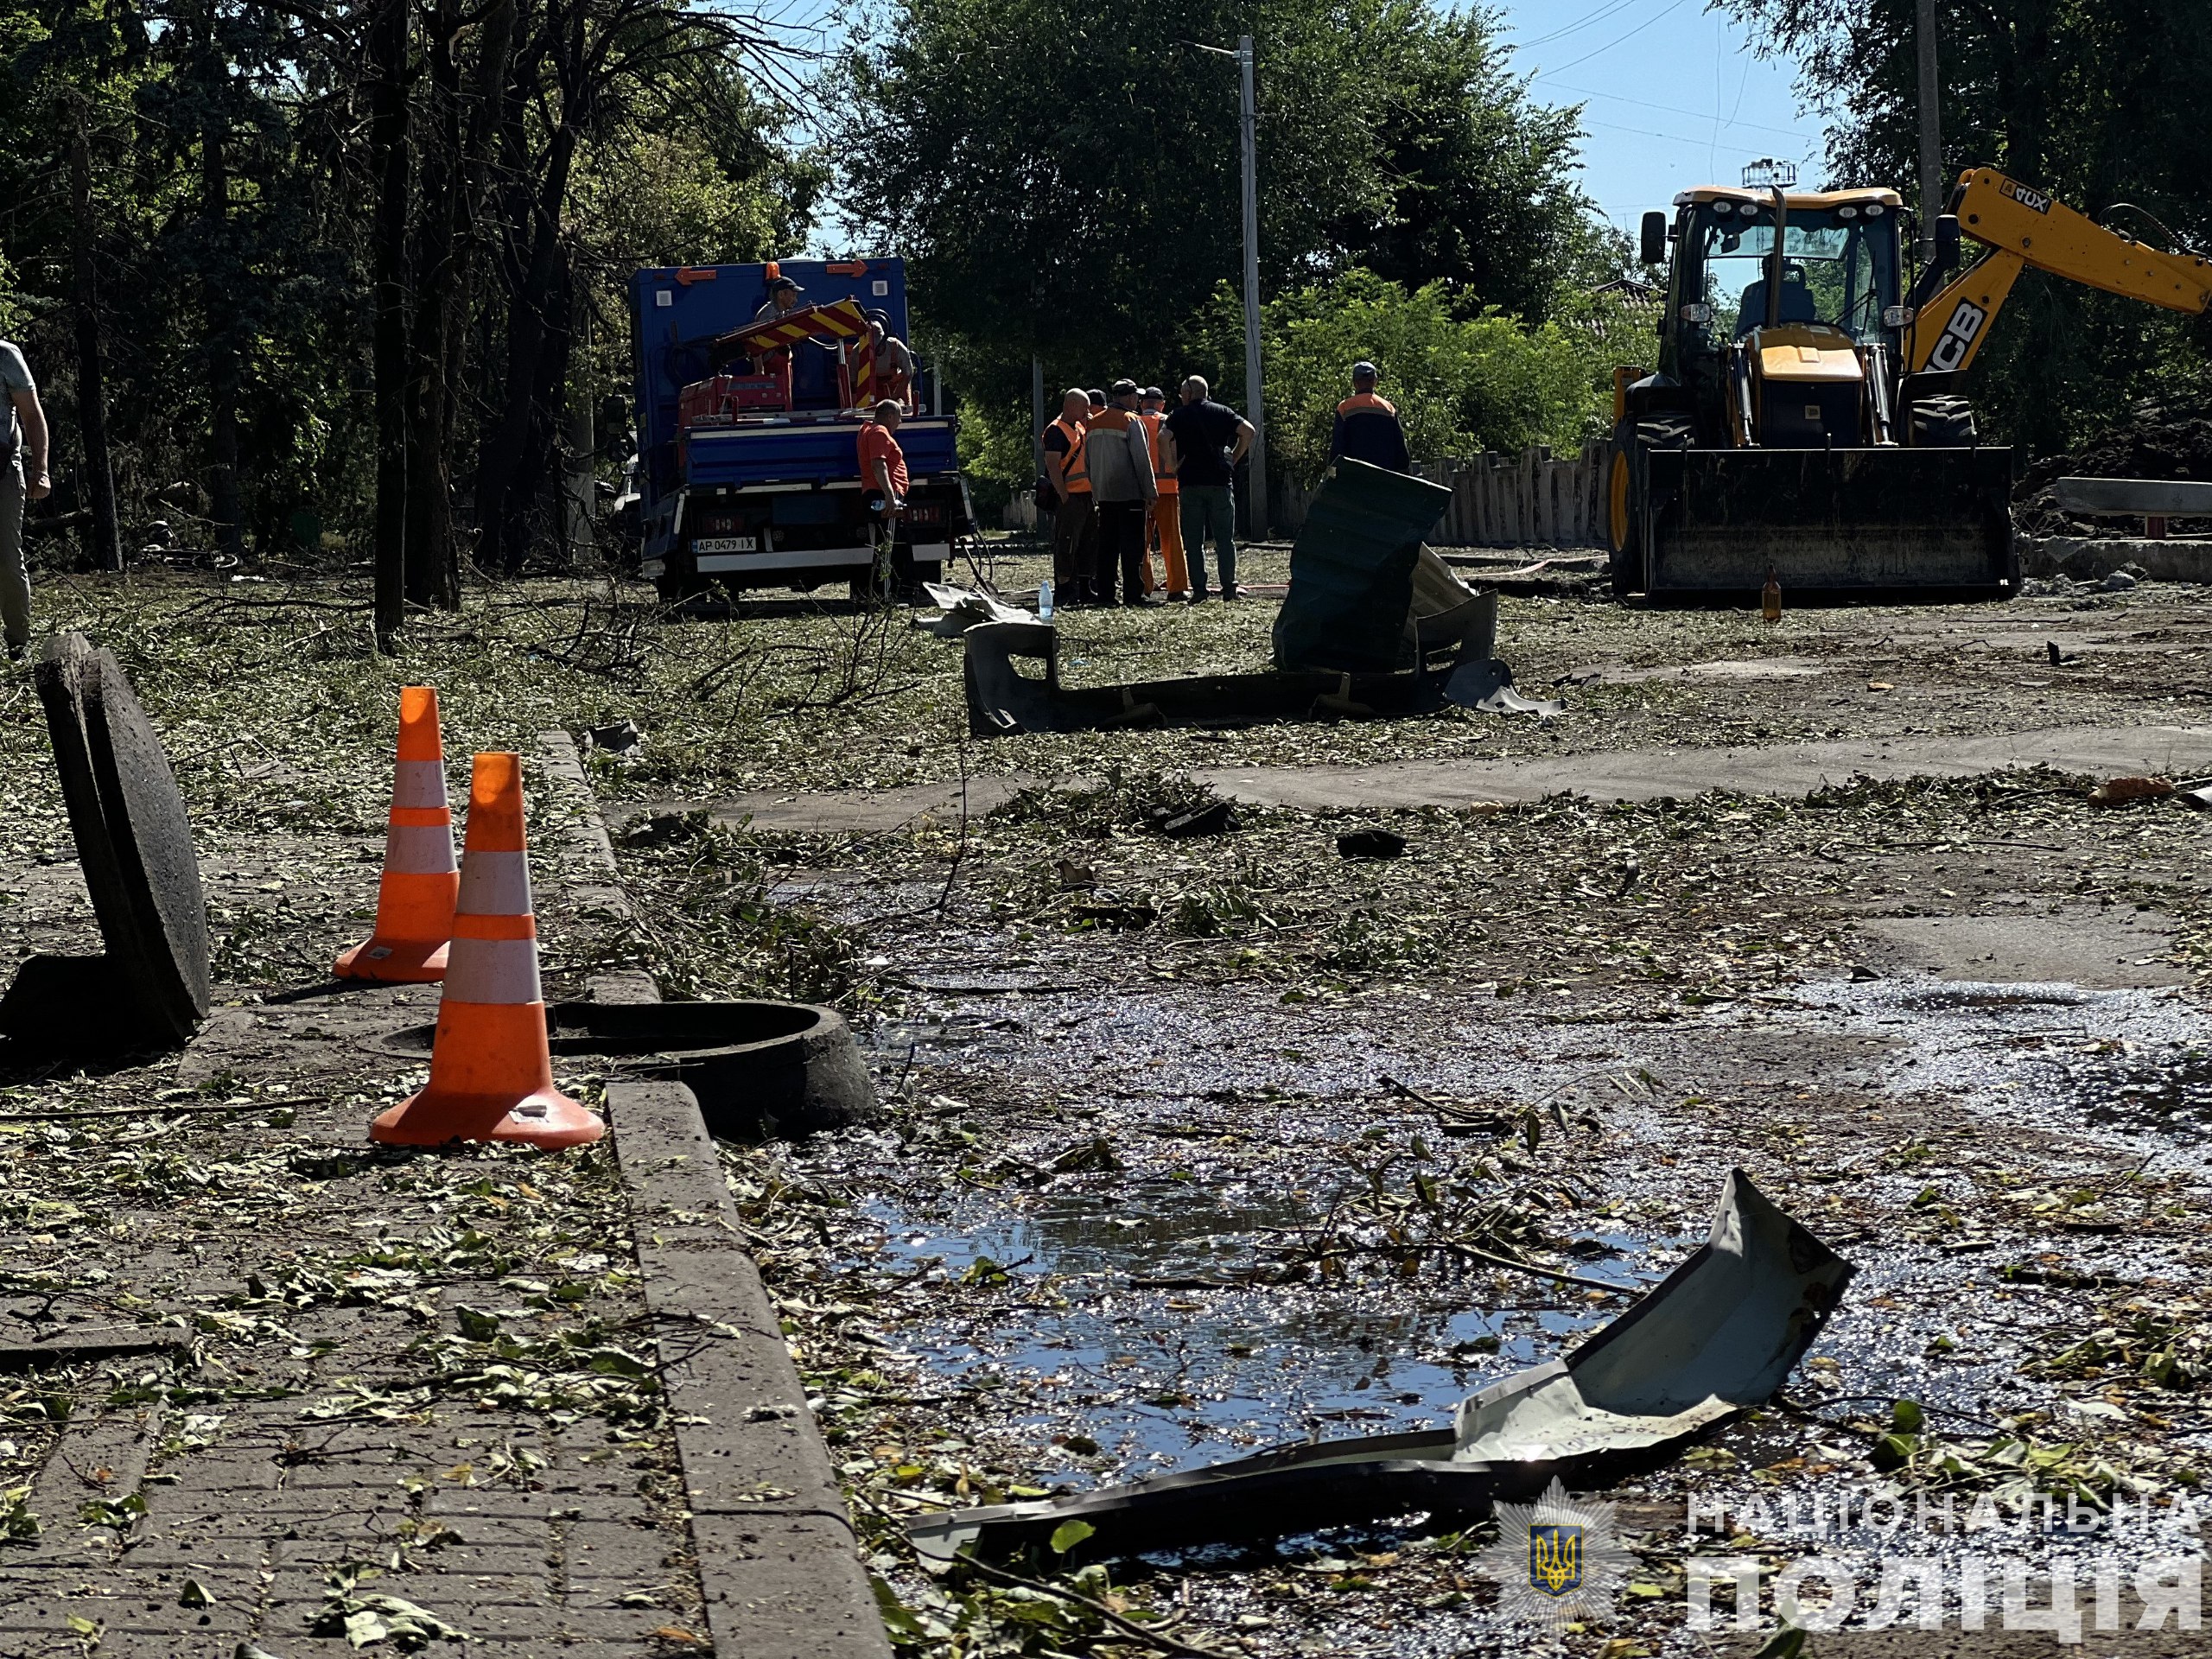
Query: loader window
1835 269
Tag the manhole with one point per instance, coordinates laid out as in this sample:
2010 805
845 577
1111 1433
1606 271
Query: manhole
760 1070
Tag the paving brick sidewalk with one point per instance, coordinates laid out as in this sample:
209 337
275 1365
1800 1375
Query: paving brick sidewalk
435 1364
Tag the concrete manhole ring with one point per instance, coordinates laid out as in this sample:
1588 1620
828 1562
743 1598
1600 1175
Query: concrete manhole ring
761 1070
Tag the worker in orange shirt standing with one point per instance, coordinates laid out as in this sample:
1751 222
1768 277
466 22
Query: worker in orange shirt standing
883 481
1074 519
1167 510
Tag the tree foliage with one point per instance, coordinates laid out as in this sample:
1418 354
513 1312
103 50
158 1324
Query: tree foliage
1064 178
2096 101
1461 383
345 252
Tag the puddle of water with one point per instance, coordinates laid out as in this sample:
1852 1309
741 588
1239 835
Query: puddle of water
1109 1325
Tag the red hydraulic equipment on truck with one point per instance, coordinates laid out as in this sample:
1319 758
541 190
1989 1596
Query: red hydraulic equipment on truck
749 427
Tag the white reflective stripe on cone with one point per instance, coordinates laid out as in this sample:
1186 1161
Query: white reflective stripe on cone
418 849
418 784
492 971
495 883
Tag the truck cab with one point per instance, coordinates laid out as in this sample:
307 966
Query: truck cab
1798 363
748 469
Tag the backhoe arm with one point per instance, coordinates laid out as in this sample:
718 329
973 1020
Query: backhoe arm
2022 227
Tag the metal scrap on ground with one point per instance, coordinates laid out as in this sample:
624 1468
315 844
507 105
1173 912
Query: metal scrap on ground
1720 1332
964 607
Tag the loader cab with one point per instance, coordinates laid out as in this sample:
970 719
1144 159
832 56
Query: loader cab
1808 378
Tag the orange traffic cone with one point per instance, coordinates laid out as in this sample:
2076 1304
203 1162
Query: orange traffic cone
491 1071
415 897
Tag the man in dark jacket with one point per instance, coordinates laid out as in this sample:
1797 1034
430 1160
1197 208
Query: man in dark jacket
1367 426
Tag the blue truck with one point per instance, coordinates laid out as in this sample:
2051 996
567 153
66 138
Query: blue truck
748 470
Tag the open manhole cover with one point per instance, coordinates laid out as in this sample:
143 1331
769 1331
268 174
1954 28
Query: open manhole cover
759 1068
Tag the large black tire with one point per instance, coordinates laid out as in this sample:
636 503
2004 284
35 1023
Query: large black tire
1943 422
1627 490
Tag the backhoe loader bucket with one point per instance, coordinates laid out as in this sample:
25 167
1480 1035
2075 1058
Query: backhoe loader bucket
1837 524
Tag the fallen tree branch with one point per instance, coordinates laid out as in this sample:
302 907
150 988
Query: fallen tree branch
1151 1637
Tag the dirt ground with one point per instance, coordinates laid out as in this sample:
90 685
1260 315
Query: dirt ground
1191 1138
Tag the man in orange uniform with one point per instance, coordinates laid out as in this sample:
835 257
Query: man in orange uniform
1368 428
1168 510
883 481
1073 520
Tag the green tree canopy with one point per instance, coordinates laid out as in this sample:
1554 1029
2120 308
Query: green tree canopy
2096 101
1063 178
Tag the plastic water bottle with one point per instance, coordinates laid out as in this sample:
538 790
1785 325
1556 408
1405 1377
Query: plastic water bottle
1045 599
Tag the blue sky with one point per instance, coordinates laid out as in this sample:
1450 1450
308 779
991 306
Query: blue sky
1672 96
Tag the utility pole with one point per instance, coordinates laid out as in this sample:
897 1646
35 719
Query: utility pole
1932 135
1037 412
1254 408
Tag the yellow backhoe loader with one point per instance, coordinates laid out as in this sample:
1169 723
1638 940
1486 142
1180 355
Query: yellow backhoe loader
1807 415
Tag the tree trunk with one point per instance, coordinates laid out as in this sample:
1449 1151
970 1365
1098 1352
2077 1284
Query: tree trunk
222 342
533 489
579 447
104 541
500 504
433 577
388 148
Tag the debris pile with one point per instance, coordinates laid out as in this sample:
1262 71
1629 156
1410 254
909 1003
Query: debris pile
2154 444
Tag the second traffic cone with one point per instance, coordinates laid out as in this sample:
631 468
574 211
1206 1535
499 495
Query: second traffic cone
415 896
491 1069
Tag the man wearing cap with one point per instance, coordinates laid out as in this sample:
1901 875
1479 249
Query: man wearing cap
883 477
1118 452
1166 525
783 299
1074 524
1367 426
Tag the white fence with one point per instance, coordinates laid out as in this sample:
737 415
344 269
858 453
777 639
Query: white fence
1531 500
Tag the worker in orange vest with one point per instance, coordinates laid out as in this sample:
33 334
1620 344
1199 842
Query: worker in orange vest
1074 519
1168 510
1367 426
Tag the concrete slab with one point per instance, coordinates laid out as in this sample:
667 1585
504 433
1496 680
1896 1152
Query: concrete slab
1785 769
2098 950
168 953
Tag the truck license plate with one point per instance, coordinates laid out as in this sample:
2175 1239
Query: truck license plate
727 544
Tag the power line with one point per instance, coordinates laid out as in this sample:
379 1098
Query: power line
1664 11
1674 109
1610 9
1653 132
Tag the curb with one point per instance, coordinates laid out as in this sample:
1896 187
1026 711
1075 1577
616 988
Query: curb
777 1561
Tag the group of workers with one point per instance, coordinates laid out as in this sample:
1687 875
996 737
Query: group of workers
1122 475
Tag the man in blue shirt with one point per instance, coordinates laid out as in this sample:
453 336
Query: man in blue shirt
1203 441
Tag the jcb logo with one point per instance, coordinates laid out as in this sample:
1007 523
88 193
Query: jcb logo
2034 201
1959 334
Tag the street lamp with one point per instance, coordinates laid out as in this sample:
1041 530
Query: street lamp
1255 408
